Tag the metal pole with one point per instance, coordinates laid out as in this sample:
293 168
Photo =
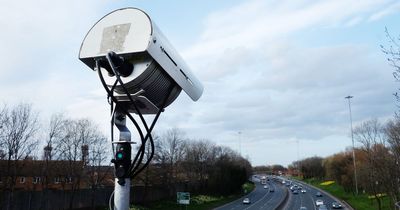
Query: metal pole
240 143
122 163
122 194
298 157
352 140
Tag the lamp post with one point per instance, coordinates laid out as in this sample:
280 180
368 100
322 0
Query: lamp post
240 143
352 140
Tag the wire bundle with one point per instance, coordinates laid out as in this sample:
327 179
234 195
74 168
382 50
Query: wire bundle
137 164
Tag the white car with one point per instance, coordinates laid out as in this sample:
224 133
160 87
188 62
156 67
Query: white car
319 202
246 201
265 186
303 190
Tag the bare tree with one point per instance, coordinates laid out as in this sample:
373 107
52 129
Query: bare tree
392 131
170 151
393 56
97 171
54 133
370 135
19 126
73 149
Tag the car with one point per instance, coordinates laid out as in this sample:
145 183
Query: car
303 191
336 205
303 208
272 189
322 207
319 202
265 186
295 192
318 194
246 201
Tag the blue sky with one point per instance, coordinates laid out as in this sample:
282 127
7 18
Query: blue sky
277 71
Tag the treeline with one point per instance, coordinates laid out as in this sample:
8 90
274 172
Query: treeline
200 165
76 154
68 152
377 162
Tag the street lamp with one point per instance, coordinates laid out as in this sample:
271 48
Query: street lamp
352 140
240 143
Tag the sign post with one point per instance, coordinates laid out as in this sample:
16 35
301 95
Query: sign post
183 198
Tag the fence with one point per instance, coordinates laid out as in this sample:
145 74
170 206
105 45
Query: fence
82 199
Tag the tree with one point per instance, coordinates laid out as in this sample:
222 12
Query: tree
312 167
53 134
392 132
18 130
370 135
96 172
393 56
73 148
169 152
339 167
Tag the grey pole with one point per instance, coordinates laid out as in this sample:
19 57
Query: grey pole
352 140
240 143
122 181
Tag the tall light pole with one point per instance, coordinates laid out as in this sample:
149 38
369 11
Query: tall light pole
240 143
352 140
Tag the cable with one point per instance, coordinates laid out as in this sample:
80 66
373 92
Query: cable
136 166
152 141
116 101
137 161
109 200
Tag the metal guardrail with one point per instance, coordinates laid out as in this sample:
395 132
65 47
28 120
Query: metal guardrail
284 201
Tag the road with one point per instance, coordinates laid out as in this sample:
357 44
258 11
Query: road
261 199
295 201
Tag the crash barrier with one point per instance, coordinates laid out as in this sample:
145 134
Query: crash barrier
282 204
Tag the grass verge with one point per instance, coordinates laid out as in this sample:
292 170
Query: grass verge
360 201
197 202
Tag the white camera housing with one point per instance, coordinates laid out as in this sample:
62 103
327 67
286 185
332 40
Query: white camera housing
131 34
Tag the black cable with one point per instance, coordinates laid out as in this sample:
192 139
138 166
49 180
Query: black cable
141 151
151 128
116 101
135 163
143 140
110 94
134 168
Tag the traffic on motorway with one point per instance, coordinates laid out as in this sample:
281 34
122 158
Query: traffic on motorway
277 192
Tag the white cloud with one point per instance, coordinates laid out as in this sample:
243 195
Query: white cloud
259 77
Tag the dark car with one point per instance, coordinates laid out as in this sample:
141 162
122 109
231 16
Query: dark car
336 205
295 192
271 189
318 194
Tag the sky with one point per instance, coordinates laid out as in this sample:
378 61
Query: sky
275 72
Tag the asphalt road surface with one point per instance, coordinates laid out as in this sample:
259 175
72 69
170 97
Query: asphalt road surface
295 201
260 198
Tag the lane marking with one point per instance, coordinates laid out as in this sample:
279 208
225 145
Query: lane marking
257 201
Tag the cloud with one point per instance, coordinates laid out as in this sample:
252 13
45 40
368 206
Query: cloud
260 77
255 23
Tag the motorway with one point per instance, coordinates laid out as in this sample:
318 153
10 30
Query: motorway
264 199
307 199
261 199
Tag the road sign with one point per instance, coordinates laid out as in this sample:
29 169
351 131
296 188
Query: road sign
183 198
